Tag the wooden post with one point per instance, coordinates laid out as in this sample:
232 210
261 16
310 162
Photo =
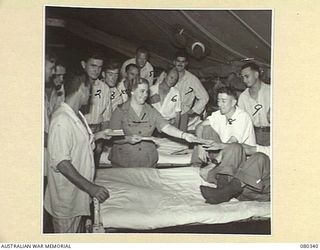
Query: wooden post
97 226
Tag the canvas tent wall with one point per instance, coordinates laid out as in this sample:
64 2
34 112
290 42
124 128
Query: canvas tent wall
232 36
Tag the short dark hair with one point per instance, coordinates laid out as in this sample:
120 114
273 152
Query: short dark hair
73 83
134 84
94 54
142 50
131 65
111 65
181 53
252 66
228 90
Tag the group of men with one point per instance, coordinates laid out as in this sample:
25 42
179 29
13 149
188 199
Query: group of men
79 111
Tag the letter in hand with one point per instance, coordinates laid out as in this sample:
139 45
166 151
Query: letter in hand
133 139
99 192
190 138
104 134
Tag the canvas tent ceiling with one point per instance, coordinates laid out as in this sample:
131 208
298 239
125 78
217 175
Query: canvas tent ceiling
232 36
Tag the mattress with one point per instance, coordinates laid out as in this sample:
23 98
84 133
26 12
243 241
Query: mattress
171 153
147 198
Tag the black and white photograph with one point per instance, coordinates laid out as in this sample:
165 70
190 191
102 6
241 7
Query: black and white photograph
157 121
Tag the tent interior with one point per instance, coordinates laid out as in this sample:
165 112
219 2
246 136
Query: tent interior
218 42
229 37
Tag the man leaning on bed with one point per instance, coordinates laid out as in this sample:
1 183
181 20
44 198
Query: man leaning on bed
225 159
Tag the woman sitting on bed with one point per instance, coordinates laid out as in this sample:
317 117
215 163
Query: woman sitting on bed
138 120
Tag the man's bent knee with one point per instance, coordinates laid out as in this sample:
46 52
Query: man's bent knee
234 147
261 157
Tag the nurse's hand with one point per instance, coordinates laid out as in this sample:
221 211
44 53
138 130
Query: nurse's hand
133 139
99 192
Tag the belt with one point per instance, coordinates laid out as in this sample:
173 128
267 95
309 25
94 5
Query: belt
262 129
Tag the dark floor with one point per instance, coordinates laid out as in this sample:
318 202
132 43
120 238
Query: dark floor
254 227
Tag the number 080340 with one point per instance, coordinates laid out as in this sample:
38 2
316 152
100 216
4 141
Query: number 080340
309 246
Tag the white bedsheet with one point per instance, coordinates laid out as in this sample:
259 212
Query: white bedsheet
166 150
146 198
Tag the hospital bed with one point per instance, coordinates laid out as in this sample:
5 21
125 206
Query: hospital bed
168 199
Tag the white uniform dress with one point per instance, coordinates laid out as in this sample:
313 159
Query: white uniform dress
69 139
171 103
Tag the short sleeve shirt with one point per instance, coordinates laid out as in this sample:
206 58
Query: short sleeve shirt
240 126
69 139
257 109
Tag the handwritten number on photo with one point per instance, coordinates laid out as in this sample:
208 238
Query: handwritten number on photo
98 93
230 121
257 108
174 98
